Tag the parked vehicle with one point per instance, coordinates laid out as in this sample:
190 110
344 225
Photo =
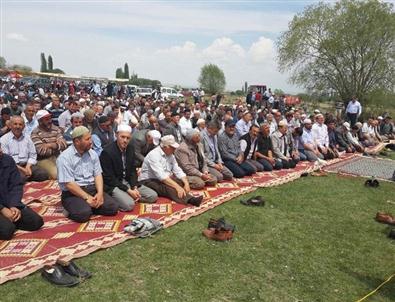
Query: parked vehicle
170 93
144 92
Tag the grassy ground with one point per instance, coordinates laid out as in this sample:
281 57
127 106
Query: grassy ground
315 240
388 154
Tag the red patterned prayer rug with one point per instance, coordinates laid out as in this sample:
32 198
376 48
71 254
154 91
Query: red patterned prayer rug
60 238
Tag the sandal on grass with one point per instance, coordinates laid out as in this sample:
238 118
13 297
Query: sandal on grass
254 201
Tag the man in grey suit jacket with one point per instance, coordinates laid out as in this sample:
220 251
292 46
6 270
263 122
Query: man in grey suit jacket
173 128
215 164
143 142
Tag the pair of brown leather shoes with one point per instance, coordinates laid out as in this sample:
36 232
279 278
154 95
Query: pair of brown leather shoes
385 218
219 230
218 235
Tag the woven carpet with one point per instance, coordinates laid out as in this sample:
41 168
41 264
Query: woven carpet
60 238
365 167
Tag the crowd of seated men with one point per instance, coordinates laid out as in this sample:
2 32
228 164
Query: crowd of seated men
108 152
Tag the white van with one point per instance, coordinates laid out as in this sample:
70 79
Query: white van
144 92
170 93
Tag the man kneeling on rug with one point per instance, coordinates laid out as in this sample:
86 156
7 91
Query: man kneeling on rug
80 179
118 161
13 213
161 173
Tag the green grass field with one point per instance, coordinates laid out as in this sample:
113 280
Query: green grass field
315 240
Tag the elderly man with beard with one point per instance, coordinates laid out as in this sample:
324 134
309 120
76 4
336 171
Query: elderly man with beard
191 159
49 142
81 181
118 162
309 144
19 145
13 213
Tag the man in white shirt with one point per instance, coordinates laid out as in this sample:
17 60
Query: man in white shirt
161 173
353 110
185 122
320 136
309 144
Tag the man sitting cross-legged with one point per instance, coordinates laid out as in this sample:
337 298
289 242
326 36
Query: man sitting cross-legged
13 213
80 179
118 162
161 173
18 144
190 157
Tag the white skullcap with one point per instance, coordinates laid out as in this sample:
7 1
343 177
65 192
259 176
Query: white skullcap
155 134
124 128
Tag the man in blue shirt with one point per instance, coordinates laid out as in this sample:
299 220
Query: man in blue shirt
13 213
80 179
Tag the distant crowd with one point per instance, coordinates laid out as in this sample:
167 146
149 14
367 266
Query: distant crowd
109 149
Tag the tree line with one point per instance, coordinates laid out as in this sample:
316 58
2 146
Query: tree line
48 66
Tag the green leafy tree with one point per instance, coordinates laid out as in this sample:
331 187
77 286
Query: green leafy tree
2 62
278 91
126 71
21 68
50 63
347 47
119 73
212 79
44 67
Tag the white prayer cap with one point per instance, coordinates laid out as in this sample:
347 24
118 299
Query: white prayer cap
42 113
155 134
124 128
307 121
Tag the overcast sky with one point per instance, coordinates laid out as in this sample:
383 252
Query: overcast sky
165 40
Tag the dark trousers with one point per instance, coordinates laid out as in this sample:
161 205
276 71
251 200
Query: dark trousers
166 191
38 174
239 170
29 221
288 164
352 117
80 211
329 154
267 166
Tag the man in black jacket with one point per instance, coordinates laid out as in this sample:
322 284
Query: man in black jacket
119 172
13 213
